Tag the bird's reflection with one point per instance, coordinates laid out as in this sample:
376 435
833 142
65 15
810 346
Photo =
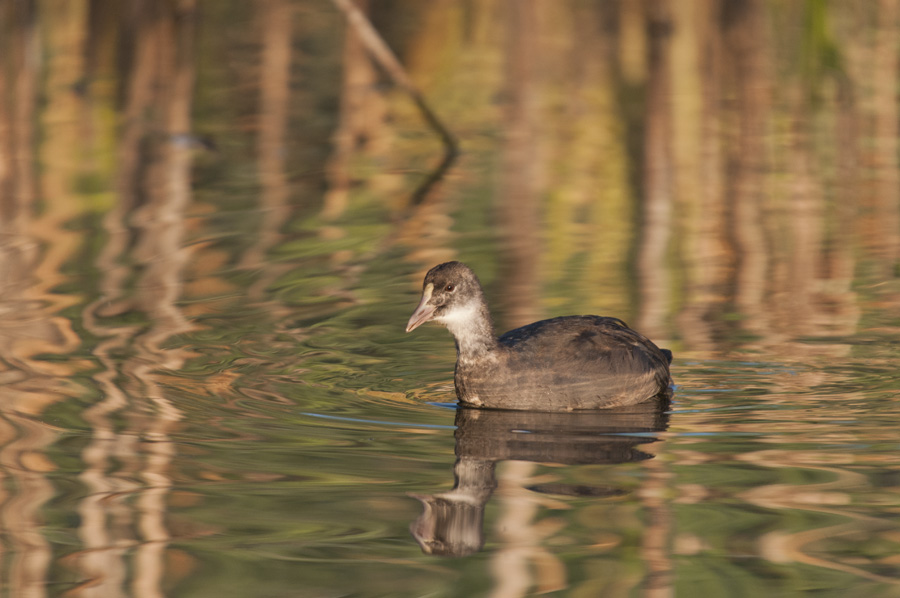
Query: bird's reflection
451 523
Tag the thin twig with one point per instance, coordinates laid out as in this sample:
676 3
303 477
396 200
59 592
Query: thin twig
385 58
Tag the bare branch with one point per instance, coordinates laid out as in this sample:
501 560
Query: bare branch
385 58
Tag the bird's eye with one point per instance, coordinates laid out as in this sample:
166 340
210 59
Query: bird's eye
450 288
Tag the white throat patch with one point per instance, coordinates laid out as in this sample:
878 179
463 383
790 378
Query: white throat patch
459 318
464 323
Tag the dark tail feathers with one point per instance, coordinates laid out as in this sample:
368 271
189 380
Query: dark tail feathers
668 355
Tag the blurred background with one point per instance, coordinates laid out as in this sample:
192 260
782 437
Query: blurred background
214 221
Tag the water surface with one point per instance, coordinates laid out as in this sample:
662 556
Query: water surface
211 240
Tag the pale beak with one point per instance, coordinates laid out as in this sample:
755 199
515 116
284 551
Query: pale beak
423 312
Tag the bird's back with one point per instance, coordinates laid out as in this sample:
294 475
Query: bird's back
573 362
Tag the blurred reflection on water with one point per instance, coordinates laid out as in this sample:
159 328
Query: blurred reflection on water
451 524
210 243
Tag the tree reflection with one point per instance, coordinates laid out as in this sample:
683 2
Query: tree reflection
33 248
158 181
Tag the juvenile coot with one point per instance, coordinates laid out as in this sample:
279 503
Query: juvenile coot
568 363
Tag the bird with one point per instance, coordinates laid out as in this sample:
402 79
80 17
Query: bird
567 363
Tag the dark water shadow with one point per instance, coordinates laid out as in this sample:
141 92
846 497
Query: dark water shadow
451 523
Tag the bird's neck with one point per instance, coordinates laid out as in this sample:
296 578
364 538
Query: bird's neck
473 331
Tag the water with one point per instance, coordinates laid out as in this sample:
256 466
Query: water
208 258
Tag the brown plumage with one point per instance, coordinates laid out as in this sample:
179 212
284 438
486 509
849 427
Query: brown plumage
567 363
